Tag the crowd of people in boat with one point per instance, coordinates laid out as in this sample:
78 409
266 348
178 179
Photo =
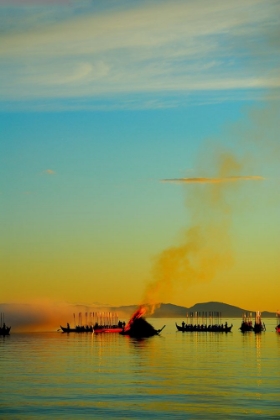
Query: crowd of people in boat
91 328
4 330
120 324
205 327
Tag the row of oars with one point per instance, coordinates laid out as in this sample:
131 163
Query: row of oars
101 318
2 319
204 317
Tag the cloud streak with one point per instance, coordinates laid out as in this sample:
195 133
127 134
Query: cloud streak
203 180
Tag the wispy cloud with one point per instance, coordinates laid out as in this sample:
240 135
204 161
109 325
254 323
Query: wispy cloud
213 180
49 172
155 47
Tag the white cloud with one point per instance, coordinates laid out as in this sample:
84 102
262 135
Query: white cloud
178 46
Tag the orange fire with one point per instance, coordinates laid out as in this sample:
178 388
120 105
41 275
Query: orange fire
137 314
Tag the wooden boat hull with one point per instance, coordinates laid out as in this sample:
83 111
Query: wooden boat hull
138 327
107 330
140 334
77 329
246 328
96 329
210 328
258 328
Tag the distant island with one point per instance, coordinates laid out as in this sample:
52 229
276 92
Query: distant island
168 310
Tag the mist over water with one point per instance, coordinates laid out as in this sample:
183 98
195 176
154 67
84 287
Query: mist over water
49 316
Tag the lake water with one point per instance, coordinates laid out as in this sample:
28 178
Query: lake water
175 375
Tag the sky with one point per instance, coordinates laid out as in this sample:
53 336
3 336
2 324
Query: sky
139 152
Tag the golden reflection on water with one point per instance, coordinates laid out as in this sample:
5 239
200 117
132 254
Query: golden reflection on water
191 375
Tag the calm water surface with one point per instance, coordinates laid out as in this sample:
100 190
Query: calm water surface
106 376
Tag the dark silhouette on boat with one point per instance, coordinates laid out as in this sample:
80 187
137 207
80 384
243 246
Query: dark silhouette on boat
277 328
94 328
77 329
247 324
109 328
4 330
139 327
204 328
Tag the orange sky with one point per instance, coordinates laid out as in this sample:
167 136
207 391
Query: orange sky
136 166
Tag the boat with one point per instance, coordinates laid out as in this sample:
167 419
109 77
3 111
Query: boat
138 327
97 329
259 326
204 328
277 328
247 324
77 329
108 328
4 330
204 322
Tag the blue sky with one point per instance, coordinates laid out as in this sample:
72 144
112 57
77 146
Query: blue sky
149 54
101 101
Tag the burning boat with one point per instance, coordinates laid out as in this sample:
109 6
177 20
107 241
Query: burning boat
138 327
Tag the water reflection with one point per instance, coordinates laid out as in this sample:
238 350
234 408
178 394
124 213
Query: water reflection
189 375
138 342
258 342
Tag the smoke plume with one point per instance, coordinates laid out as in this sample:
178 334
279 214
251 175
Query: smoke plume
206 246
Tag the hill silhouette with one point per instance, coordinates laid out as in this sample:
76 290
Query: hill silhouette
168 310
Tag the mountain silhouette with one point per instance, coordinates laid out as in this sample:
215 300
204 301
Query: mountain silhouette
168 310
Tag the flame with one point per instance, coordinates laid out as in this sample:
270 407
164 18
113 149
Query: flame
137 314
